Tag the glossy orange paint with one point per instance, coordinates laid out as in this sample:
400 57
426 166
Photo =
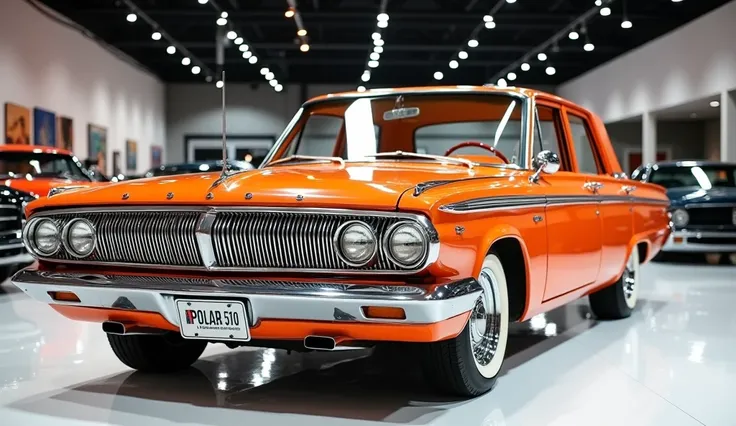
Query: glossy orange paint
570 248
41 185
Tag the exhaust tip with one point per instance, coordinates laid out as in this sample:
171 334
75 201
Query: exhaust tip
113 327
319 343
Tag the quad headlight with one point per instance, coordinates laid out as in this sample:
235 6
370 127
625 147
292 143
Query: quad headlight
406 244
356 243
79 237
680 218
43 237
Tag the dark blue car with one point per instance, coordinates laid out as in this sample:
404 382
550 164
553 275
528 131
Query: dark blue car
703 204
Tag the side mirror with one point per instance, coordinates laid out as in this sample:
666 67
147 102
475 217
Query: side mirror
547 162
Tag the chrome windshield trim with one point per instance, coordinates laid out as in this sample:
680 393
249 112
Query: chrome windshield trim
205 243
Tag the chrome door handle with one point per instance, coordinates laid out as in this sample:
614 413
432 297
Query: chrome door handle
593 186
628 189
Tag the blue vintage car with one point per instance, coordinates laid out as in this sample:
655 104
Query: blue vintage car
703 204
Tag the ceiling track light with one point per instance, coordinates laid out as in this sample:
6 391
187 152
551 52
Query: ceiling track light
625 22
374 55
301 31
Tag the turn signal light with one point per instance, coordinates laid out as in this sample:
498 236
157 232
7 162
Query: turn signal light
383 312
64 296
678 240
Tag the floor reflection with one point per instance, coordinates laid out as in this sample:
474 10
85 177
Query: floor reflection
382 385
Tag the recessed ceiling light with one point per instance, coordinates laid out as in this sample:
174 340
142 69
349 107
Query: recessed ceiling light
454 64
550 70
502 83
186 61
438 75
132 17
361 88
573 35
278 88
171 50
511 76
605 11
462 54
253 59
542 56
525 67
472 43
156 36
715 104
626 24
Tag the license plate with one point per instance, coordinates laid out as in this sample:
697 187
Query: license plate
213 319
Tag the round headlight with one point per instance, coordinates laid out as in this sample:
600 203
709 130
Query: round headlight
680 218
406 244
45 237
79 237
356 243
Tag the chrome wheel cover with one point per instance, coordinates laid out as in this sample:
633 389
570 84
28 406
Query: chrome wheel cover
629 278
485 320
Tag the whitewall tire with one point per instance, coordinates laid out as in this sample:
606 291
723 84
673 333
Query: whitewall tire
619 299
469 364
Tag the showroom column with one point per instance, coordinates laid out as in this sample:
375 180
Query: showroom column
648 138
728 126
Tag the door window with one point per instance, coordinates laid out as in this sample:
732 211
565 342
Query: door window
581 140
548 136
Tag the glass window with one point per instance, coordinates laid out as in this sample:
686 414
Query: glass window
583 149
412 123
20 164
696 176
547 137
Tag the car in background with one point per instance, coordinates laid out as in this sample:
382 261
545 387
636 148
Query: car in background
185 168
38 169
13 254
703 209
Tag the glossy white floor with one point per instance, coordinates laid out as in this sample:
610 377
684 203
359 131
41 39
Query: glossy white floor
672 363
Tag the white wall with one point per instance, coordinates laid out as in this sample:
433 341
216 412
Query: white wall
693 62
45 64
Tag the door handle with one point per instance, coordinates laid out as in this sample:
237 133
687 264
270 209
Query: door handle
628 189
593 186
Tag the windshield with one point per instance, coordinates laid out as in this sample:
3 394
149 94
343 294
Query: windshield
36 164
701 177
356 129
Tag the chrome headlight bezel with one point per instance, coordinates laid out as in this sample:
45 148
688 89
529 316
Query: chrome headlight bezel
338 244
425 240
66 234
29 237
680 218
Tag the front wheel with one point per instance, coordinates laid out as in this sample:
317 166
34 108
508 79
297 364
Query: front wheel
156 353
469 364
618 300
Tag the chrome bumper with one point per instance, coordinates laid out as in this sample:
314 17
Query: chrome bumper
16 259
269 299
686 243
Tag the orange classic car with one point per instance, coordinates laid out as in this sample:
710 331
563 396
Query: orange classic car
38 169
435 216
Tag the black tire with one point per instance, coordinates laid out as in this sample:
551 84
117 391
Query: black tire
450 365
611 302
156 353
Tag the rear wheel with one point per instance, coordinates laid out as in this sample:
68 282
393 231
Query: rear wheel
156 353
618 300
469 364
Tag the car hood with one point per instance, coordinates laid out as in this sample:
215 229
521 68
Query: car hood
682 196
356 185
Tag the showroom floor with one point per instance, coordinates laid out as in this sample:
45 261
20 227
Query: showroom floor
672 363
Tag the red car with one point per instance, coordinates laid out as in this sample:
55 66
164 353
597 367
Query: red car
38 169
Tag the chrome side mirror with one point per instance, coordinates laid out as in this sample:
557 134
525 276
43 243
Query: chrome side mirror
547 162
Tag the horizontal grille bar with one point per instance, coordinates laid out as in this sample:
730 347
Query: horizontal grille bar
720 215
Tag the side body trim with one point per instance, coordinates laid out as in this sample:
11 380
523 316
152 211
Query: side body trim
523 202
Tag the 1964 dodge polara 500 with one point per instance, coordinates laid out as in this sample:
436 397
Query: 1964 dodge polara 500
433 216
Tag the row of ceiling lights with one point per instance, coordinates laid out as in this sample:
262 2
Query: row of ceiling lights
378 43
301 32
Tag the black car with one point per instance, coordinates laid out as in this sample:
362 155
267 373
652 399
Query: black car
184 168
13 254
703 204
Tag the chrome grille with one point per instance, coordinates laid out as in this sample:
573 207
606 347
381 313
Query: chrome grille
287 240
141 237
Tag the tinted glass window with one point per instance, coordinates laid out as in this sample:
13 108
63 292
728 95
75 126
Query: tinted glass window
547 137
20 164
703 177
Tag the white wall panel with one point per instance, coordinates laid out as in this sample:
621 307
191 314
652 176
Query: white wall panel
693 62
45 64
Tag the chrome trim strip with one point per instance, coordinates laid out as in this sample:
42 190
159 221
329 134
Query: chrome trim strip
12 246
307 301
515 202
205 242
694 246
716 205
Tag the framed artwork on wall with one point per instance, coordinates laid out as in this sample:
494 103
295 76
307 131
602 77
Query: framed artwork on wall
65 133
17 124
131 155
44 127
156 154
97 146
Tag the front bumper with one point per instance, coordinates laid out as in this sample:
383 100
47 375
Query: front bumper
338 307
700 241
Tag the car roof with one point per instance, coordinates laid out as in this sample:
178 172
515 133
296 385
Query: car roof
485 89
34 149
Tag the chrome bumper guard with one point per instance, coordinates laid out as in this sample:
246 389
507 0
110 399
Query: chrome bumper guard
267 299
688 245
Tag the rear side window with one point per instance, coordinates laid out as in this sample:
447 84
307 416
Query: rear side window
583 145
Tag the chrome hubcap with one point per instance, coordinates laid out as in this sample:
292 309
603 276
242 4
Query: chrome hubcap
629 278
485 320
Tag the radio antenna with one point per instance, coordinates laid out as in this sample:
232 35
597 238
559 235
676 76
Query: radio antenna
224 130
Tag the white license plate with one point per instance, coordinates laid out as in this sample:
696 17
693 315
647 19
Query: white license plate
213 319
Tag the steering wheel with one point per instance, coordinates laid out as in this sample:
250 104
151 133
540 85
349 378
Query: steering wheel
477 144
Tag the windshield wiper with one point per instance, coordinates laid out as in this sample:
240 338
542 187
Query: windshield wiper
315 158
441 158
